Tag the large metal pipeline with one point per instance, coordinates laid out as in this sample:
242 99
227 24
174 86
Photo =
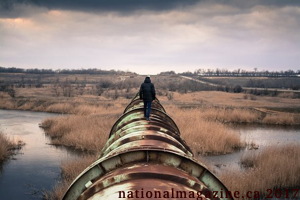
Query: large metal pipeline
146 160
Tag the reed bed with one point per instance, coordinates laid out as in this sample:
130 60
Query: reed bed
238 100
7 146
60 108
6 102
89 131
111 108
84 132
274 168
230 115
280 119
204 136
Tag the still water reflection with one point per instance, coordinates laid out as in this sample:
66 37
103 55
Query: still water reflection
36 167
262 136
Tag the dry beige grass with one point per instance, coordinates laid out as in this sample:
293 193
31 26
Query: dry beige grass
7 146
280 118
222 106
88 132
88 129
275 167
6 101
205 136
4 147
225 99
115 107
60 108
230 115
76 105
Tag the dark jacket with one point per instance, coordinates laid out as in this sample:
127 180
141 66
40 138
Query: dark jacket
147 90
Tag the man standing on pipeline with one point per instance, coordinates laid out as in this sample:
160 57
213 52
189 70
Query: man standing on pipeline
147 94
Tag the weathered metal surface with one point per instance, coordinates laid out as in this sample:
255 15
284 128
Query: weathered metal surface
145 158
137 115
144 178
137 103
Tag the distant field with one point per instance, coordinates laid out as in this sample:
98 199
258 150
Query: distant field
260 82
38 91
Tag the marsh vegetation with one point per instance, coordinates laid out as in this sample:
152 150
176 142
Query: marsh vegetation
93 102
273 168
8 146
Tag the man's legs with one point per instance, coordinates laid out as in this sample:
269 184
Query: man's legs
147 109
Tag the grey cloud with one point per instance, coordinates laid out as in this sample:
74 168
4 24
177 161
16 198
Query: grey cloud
8 7
252 3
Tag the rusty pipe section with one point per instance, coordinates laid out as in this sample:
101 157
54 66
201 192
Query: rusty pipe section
146 160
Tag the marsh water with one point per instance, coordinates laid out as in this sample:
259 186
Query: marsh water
36 167
262 136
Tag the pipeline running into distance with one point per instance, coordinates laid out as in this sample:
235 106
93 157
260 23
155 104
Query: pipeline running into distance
146 160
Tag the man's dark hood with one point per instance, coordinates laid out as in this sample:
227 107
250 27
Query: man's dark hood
147 80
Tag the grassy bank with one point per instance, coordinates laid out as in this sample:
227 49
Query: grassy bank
90 132
68 105
7 147
87 129
273 168
205 136
84 132
227 115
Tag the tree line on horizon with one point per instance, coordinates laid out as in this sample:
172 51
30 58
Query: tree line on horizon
62 71
243 73
199 72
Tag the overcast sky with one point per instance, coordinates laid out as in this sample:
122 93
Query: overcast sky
150 36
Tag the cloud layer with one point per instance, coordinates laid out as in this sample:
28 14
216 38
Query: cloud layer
11 7
150 37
